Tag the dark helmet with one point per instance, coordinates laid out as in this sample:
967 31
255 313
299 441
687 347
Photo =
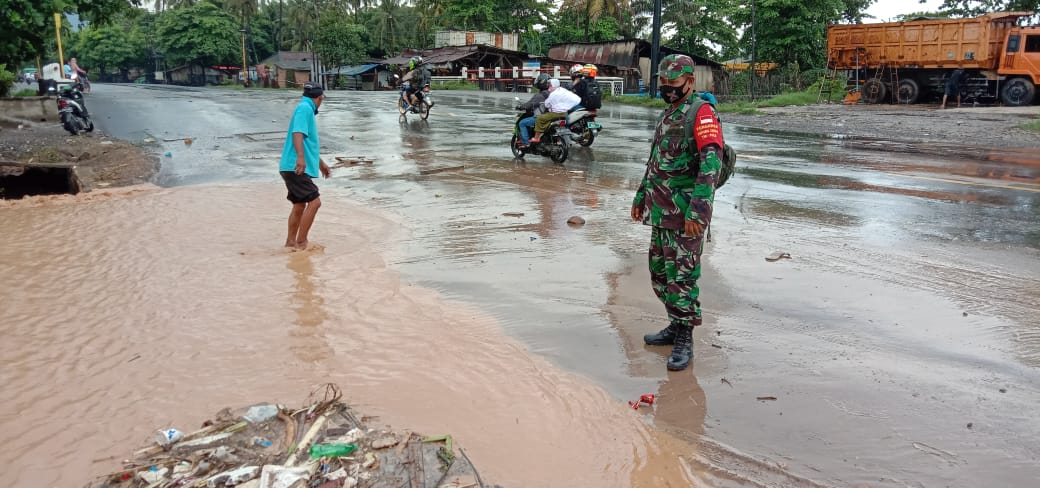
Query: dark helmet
542 82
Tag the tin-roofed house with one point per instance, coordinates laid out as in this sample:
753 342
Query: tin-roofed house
629 59
290 68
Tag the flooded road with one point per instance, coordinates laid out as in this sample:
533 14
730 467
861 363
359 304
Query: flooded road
900 340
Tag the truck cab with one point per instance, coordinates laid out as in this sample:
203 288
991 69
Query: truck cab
1020 66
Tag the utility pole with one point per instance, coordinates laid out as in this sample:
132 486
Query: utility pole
752 73
655 48
245 65
57 34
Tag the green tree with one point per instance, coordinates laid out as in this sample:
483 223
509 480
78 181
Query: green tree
590 11
339 42
392 27
26 25
788 31
701 27
568 26
202 33
975 8
118 46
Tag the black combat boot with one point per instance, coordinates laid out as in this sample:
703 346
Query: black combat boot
682 353
665 337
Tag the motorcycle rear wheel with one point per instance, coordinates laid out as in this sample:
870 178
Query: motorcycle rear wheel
587 135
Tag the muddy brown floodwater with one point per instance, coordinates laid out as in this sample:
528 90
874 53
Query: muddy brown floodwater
898 346
149 309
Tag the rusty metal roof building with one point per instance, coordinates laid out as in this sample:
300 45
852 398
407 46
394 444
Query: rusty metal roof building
470 56
624 53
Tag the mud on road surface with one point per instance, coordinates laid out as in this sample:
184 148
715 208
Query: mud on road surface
962 129
100 162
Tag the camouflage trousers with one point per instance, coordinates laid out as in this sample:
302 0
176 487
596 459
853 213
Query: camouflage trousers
675 266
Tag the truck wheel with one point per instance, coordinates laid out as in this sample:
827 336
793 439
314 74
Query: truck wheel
874 91
908 91
1017 92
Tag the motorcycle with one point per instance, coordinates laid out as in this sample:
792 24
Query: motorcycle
553 144
73 111
424 106
582 123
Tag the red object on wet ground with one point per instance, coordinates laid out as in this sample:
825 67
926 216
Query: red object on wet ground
647 399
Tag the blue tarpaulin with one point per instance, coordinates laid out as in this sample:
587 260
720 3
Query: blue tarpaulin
353 70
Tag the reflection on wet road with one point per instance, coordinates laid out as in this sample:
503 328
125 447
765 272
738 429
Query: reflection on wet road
907 311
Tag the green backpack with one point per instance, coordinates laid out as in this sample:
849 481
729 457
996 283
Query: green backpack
729 155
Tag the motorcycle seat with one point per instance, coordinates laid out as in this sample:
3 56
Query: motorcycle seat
576 115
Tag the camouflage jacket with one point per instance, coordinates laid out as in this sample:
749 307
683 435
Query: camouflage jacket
679 183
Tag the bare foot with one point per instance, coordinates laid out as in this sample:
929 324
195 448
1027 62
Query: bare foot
290 244
301 245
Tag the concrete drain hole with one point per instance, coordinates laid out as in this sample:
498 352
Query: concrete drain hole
18 181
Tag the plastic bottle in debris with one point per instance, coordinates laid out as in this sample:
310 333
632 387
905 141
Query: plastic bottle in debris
331 450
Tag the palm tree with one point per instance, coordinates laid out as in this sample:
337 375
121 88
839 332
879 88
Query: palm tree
592 10
386 19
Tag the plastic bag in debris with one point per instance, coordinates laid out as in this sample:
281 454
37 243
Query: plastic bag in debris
260 413
274 476
168 436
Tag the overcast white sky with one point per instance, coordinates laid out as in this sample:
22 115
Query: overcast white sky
886 10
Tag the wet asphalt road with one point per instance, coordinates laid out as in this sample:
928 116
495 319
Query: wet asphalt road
907 311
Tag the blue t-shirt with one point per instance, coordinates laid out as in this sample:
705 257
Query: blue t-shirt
304 122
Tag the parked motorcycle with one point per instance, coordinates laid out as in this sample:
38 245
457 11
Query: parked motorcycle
424 106
73 110
582 123
553 144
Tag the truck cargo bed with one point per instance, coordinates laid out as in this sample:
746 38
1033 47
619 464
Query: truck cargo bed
927 43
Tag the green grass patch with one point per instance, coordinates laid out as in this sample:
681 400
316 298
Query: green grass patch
743 108
639 100
1033 126
746 108
25 92
453 85
789 99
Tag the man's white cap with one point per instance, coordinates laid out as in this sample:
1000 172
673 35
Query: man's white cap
554 83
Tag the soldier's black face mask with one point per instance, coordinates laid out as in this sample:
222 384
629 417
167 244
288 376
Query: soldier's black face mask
672 94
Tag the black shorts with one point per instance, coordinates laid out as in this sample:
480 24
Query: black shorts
301 187
952 90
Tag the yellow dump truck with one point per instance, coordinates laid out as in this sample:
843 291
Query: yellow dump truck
908 62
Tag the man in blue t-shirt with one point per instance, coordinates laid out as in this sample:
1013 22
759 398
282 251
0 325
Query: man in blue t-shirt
301 163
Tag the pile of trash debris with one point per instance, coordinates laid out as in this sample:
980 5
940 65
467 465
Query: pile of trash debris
322 445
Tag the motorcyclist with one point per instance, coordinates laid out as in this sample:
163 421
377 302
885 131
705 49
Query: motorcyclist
418 77
534 108
579 85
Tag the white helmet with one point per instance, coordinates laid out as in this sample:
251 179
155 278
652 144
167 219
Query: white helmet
575 70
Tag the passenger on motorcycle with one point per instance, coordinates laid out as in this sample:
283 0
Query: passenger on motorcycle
560 100
579 85
534 107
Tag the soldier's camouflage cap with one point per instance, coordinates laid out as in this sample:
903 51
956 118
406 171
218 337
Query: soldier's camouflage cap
674 66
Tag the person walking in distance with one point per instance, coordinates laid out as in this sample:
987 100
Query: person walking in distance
675 199
301 163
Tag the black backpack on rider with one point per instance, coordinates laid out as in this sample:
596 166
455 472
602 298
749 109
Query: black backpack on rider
593 98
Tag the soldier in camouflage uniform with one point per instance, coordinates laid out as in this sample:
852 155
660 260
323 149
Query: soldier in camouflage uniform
675 199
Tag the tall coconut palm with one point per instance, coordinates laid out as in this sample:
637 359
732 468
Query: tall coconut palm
592 10
386 19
